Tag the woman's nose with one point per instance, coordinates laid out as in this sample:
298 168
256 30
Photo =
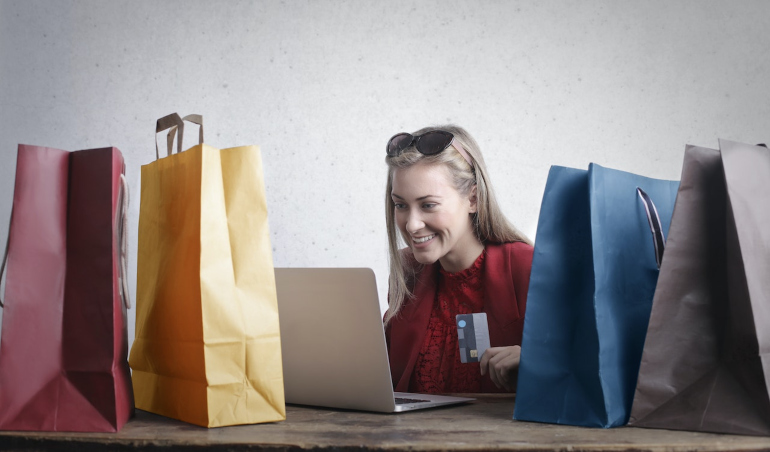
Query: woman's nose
414 222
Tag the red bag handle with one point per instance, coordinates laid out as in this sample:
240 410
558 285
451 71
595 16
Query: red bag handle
121 226
5 259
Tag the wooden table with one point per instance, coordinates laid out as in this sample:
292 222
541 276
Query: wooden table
485 424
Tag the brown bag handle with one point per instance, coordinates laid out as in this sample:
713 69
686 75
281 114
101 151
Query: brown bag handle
193 118
121 226
168 122
196 119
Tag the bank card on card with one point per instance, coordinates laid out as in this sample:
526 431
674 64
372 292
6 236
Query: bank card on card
472 336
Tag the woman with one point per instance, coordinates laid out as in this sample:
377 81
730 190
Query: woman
462 257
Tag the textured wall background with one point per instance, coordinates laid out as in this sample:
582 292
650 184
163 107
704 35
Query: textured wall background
321 85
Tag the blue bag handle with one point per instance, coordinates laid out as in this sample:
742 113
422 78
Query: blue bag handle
655 226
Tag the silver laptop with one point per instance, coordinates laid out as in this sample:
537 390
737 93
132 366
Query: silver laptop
333 343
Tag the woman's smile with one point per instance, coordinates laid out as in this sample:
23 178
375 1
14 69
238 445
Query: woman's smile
422 240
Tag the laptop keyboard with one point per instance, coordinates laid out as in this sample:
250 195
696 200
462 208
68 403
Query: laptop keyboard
404 401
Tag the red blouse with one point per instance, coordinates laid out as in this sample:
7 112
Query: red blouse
438 368
505 279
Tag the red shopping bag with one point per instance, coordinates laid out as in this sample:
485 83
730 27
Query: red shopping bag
63 353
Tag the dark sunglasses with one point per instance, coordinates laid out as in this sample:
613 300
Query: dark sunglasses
429 143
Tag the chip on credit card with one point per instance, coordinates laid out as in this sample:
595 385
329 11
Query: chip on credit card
472 336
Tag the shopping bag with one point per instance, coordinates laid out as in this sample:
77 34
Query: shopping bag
705 365
590 293
207 348
64 341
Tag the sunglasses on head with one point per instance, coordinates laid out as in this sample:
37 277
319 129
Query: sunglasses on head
429 143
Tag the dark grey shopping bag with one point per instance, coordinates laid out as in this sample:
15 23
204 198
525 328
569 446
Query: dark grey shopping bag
705 365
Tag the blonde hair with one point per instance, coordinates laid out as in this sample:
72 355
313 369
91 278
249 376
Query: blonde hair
489 223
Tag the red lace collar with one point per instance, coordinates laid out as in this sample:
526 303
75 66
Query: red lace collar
470 272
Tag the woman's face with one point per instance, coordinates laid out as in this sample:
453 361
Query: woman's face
434 218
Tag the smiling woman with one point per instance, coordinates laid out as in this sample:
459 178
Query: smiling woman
462 257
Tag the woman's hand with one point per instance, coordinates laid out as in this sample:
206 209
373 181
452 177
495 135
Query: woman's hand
502 363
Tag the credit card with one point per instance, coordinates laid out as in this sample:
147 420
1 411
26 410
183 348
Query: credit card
472 336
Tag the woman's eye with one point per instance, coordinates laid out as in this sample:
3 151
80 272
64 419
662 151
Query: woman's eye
400 206
428 205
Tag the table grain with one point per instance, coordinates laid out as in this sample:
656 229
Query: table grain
485 424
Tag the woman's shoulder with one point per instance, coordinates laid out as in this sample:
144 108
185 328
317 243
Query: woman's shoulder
513 259
515 250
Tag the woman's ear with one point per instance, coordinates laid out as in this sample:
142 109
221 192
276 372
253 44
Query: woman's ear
473 198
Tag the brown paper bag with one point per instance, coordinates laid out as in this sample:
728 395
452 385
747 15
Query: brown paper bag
703 367
207 348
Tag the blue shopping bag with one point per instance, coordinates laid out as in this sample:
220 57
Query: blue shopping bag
597 254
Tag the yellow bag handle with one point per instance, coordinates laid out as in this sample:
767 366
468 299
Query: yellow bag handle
196 119
193 118
174 122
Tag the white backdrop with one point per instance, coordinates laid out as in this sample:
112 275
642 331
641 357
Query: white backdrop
321 85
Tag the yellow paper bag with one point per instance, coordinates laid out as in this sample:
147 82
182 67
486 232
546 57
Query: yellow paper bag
207 348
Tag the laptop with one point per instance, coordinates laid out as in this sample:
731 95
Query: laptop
333 343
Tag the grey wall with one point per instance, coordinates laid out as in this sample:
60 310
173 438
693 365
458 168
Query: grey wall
322 85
